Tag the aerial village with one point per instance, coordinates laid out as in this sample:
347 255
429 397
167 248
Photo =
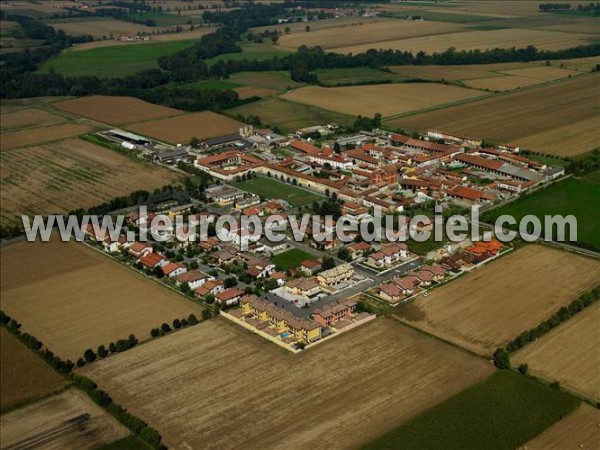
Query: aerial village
299 294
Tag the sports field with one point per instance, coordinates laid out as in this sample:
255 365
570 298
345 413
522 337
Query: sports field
492 305
72 298
115 110
503 411
23 375
580 429
568 354
579 197
386 99
180 129
236 389
289 116
559 118
290 259
116 61
60 422
66 175
269 188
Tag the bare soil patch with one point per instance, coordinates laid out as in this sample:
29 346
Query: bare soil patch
238 390
27 117
67 420
84 299
23 375
40 135
488 307
387 99
569 354
179 130
116 110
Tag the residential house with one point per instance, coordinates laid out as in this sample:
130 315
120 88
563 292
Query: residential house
331 313
139 249
335 275
193 278
229 296
152 260
310 266
358 249
210 287
390 292
172 270
260 269
303 287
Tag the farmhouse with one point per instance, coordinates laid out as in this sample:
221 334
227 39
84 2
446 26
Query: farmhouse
332 313
336 275
469 194
171 156
228 165
498 167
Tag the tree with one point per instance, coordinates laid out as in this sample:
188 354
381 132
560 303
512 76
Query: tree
344 254
80 362
209 298
230 282
501 359
274 38
523 368
192 320
89 355
287 30
158 272
337 148
328 263
177 324
165 328
155 332
195 142
206 314
102 352
307 28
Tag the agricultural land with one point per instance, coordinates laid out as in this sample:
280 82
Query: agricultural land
347 392
568 354
580 429
486 308
23 375
67 420
557 118
88 300
500 412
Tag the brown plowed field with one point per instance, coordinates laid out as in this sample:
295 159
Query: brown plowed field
217 385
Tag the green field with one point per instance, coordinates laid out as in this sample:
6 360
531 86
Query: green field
251 51
442 16
580 197
163 19
273 80
332 77
503 411
118 61
289 116
128 443
269 188
290 259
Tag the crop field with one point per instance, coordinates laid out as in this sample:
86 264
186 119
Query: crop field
387 99
270 188
580 197
578 430
115 110
180 129
272 80
365 32
559 118
88 300
500 412
347 392
289 116
23 375
518 78
290 259
101 28
581 64
39 135
254 91
479 39
568 354
115 61
21 118
66 175
252 51
488 307
331 77
456 73
59 422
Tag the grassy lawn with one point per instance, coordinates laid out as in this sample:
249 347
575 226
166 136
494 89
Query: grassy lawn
290 259
331 77
289 116
580 197
118 61
269 188
503 411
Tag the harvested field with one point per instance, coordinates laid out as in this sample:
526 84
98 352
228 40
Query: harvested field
179 130
88 300
102 28
289 116
506 83
116 110
254 91
67 420
530 118
518 78
580 429
341 394
40 135
569 354
485 309
581 64
365 32
66 175
452 73
473 40
387 99
27 117
23 375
